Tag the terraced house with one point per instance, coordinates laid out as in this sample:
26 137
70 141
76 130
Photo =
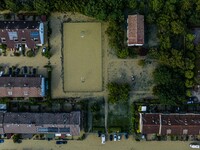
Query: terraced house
170 124
22 86
40 123
16 34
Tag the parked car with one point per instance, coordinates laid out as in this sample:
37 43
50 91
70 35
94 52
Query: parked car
119 137
1 73
17 71
115 137
34 71
111 137
195 145
193 100
10 71
126 136
25 70
99 133
44 49
1 141
103 139
61 142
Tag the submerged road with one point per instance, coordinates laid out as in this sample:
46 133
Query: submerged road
92 142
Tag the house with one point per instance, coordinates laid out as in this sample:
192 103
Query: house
170 124
22 87
21 33
135 30
42 123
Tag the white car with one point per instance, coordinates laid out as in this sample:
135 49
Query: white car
103 139
194 145
118 137
115 137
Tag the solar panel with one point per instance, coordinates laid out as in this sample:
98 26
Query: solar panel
64 129
12 35
53 130
34 34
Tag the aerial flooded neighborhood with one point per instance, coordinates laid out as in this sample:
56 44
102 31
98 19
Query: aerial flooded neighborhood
99 74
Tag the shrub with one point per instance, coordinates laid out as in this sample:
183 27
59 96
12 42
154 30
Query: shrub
188 93
189 74
142 62
30 53
17 54
122 53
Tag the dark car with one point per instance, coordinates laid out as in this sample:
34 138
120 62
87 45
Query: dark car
1 141
25 70
111 137
126 135
193 100
99 133
10 71
34 71
61 142
17 71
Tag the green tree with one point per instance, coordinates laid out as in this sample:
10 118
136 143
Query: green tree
188 93
177 27
118 93
189 64
132 4
42 7
13 5
156 5
162 75
189 74
189 83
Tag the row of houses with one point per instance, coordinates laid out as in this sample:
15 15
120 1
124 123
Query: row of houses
31 33
40 123
22 86
169 124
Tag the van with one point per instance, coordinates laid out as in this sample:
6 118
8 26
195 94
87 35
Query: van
103 139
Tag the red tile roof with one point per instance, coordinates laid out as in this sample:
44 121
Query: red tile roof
20 86
135 31
23 30
175 124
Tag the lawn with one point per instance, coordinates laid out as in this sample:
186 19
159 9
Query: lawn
118 117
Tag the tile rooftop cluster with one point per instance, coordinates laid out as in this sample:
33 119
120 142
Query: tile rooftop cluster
14 33
22 87
174 124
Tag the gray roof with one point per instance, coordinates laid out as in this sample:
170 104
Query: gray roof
20 81
19 24
42 118
65 123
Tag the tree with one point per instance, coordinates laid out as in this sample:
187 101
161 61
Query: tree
13 5
42 7
189 74
177 27
118 93
132 4
165 42
156 5
188 93
162 75
189 83
189 64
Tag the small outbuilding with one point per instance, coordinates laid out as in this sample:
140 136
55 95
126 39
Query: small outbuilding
135 30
